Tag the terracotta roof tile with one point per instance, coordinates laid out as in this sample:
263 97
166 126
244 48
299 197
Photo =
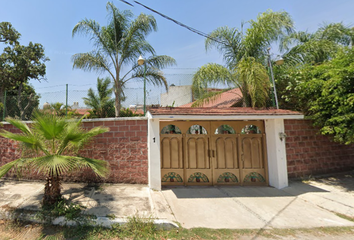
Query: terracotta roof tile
220 111
82 111
226 99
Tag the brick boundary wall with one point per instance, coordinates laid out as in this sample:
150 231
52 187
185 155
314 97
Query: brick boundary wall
308 152
124 147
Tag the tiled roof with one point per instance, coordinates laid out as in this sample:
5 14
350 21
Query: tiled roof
220 111
82 111
224 100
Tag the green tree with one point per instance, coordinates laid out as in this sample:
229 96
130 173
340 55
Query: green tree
245 55
315 48
28 100
8 34
59 109
326 94
51 146
101 103
120 44
18 65
303 49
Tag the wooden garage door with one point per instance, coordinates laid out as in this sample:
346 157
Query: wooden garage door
213 153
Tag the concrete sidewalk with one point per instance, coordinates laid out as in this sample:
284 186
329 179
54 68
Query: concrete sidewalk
298 206
106 201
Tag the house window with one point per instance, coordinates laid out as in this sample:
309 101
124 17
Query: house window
250 129
225 129
197 129
171 129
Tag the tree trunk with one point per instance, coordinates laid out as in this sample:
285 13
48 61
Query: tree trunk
2 91
117 92
52 191
117 102
19 93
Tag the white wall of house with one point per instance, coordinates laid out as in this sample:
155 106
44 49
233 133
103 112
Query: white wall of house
179 94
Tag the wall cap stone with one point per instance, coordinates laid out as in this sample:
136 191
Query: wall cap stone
99 119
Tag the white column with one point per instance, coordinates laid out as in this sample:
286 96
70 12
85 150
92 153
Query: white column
154 153
276 149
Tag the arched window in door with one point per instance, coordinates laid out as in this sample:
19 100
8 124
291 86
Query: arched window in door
197 129
224 129
171 129
250 129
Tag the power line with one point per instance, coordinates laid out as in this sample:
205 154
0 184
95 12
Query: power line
177 22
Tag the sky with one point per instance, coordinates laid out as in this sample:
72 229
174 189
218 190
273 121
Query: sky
51 22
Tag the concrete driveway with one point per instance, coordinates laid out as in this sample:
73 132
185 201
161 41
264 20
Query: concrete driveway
298 206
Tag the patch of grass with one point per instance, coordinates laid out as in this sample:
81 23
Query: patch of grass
345 217
142 228
111 216
70 211
307 179
137 226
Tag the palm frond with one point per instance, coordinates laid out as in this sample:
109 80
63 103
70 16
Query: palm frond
153 76
210 74
92 61
99 167
229 44
19 125
28 139
49 125
269 27
54 165
253 80
208 97
8 166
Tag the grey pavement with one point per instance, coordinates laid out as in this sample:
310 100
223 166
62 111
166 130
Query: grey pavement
300 205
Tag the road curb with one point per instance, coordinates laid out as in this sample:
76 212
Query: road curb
99 221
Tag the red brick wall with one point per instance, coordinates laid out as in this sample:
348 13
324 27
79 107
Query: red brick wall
309 152
124 147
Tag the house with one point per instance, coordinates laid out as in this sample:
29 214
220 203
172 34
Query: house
224 100
176 96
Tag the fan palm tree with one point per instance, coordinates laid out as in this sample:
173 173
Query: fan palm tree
51 145
102 105
119 45
245 55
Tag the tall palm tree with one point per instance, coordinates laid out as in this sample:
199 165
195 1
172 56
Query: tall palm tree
245 54
119 45
101 103
315 48
51 145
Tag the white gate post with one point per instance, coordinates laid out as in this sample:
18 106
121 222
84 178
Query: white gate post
154 153
276 150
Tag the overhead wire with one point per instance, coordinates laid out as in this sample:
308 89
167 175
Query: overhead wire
177 22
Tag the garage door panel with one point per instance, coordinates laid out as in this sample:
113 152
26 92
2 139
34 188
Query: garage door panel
171 151
213 153
172 177
198 177
197 152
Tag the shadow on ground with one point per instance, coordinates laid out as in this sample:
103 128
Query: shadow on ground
345 180
295 188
